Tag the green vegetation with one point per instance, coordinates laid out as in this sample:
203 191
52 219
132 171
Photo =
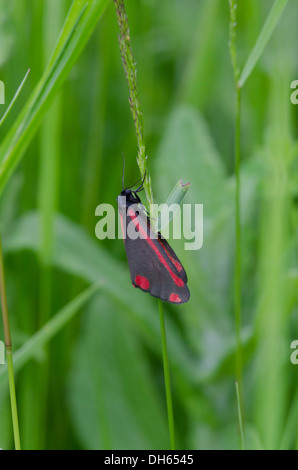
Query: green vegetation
87 349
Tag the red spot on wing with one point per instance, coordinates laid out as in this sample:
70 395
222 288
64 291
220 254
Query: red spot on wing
142 282
178 281
174 298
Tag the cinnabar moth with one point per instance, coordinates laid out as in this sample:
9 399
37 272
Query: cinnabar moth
154 266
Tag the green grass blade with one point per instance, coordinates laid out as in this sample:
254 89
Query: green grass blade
80 23
47 197
238 231
14 99
272 361
266 33
175 198
166 368
240 418
48 331
130 70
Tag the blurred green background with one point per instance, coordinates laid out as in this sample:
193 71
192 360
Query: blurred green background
98 384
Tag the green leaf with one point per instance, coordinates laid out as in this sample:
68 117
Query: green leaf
187 150
113 397
266 33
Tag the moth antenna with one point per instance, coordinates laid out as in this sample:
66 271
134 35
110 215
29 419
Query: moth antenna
135 184
141 187
123 171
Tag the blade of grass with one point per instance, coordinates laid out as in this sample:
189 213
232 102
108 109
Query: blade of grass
5 115
47 203
238 254
79 24
166 368
8 346
50 141
266 33
240 418
130 70
272 355
175 198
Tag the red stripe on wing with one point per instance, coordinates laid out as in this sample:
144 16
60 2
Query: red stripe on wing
176 263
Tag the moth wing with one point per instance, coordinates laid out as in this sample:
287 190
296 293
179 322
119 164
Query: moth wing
154 266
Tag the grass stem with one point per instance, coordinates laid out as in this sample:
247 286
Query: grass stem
8 346
240 418
166 369
238 255
130 70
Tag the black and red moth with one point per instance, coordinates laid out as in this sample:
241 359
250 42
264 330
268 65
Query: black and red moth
154 266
